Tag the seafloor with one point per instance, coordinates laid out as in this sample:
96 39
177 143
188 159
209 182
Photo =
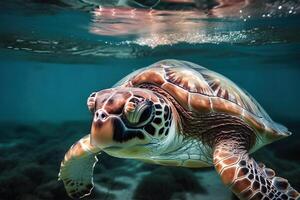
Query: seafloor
30 157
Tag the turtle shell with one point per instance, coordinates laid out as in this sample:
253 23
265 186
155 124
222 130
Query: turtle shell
199 90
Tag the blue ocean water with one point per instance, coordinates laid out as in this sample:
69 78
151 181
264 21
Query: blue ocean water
55 53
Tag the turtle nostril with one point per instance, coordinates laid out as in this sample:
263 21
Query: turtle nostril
101 115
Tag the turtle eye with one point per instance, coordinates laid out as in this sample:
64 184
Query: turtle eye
138 113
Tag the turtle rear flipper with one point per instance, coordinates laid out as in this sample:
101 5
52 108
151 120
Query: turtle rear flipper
247 179
76 170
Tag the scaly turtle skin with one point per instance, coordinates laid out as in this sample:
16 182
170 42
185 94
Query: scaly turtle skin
177 113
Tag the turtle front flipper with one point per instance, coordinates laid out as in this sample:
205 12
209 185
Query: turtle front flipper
76 170
247 179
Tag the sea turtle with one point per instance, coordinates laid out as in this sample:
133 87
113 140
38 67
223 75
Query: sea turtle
177 113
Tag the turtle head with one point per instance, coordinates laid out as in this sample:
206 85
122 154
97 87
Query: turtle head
128 122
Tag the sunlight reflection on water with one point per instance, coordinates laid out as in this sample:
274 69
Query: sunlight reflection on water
122 31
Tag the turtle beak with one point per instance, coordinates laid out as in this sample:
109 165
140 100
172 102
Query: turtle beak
102 129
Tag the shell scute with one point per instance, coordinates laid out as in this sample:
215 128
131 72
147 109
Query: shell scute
200 103
223 106
180 94
188 80
149 75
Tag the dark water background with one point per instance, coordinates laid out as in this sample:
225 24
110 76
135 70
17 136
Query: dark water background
54 54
